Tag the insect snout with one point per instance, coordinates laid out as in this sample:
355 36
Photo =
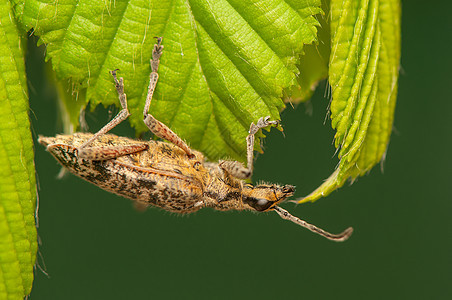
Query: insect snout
288 190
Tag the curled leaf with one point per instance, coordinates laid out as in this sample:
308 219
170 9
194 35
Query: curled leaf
18 238
363 73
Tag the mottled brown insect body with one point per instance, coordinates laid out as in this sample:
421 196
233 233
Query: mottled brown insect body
159 174
171 175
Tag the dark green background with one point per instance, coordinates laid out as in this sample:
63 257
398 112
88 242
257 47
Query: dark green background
95 245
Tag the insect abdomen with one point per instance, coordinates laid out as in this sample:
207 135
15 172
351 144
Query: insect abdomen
168 190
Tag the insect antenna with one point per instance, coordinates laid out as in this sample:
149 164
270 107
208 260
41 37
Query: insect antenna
333 237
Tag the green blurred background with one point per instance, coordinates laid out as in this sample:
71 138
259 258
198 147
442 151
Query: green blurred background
95 245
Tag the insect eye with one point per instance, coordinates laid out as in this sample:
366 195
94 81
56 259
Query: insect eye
259 204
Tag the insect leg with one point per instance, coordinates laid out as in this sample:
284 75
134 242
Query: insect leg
236 168
121 116
154 125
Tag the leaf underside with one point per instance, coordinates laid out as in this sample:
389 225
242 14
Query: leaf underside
363 74
313 64
18 238
224 65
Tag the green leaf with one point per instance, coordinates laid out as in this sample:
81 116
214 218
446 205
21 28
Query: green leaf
18 239
313 64
363 74
225 62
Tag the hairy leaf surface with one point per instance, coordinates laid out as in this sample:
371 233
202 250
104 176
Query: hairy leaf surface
225 62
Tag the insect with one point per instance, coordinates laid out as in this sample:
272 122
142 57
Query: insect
170 174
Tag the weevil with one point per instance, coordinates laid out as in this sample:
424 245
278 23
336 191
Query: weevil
170 175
